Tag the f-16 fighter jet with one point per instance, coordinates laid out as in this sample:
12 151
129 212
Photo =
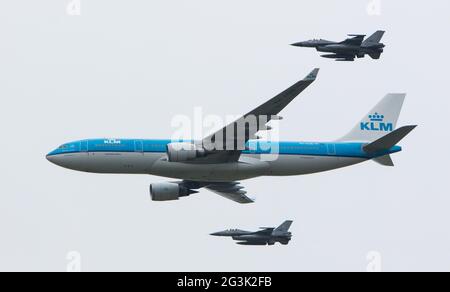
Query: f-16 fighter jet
265 236
348 50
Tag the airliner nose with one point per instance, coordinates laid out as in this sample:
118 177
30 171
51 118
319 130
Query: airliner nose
59 160
50 158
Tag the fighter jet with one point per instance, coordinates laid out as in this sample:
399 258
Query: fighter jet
265 236
348 50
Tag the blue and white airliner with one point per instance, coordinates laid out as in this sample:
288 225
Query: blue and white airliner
196 165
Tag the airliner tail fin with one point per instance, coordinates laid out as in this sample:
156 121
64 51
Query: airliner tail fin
381 120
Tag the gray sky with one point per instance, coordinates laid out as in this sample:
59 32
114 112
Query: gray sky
125 68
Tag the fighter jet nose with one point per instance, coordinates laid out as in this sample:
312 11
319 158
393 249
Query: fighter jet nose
220 233
301 44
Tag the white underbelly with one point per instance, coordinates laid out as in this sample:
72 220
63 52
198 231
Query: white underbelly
112 162
286 165
248 166
245 168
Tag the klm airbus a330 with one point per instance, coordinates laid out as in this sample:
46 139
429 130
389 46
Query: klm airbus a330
203 164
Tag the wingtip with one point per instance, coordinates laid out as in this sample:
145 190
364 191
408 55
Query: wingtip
313 75
249 201
410 127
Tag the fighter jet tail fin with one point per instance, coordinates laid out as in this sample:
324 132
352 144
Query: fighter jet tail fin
373 39
283 227
381 120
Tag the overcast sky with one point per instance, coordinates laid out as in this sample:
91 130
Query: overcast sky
125 68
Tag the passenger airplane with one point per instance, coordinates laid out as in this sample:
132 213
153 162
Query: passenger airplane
204 164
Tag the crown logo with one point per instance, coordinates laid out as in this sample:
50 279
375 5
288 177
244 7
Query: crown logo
376 117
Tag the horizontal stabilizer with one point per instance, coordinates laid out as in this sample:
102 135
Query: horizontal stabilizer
375 56
385 160
390 140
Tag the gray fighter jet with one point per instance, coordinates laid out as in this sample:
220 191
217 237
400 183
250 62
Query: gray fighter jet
265 236
351 48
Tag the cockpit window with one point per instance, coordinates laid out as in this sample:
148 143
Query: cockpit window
65 146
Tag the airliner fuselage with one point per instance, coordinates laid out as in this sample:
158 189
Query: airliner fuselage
136 156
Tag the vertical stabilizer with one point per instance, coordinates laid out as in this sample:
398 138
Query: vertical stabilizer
374 39
381 120
283 227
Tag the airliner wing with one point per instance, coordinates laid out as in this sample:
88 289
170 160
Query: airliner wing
230 190
225 145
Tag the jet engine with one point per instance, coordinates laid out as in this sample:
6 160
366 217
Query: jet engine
168 191
183 151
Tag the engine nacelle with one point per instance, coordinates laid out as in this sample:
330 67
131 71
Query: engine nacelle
168 191
183 151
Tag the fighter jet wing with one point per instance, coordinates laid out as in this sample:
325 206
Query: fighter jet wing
226 144
230 190
265 230
355 40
